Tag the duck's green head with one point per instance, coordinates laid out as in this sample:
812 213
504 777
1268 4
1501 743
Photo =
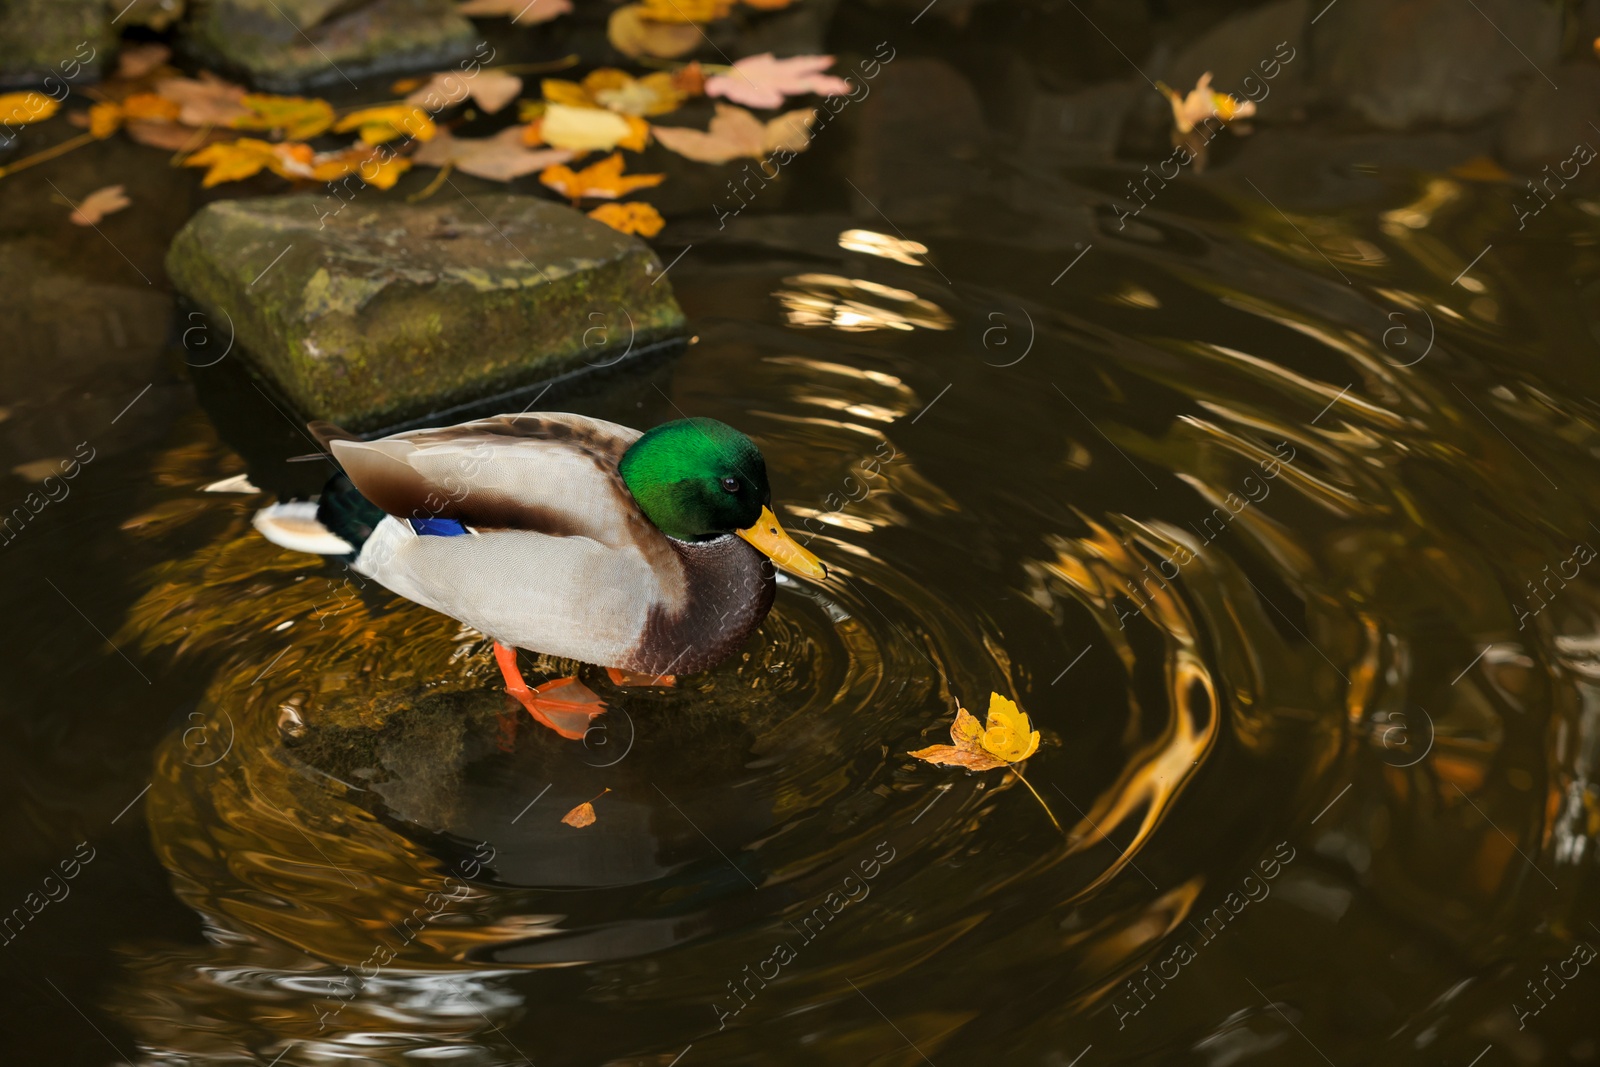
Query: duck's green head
697 479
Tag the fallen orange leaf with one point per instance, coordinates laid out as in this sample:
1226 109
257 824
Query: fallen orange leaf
97 205
246 157
583 815
633 217
602 181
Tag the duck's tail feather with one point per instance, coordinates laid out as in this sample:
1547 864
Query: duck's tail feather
295 525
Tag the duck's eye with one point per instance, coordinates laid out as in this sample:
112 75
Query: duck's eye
731 484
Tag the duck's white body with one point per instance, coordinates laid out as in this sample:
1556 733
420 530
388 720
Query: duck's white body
558 557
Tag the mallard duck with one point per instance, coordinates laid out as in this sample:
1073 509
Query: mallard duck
644 553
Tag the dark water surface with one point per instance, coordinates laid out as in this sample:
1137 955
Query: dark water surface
1279 525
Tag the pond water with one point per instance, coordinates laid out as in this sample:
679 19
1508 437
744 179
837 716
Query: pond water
1268 503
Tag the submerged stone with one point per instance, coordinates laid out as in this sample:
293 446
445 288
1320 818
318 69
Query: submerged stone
59 45
386 311
289 45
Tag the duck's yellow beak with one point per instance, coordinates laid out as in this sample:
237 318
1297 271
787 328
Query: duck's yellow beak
772 542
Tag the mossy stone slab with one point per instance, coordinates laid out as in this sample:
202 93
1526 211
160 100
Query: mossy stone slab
387 311
292 45
64 41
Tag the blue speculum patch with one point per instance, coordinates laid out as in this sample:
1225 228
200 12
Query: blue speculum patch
437 527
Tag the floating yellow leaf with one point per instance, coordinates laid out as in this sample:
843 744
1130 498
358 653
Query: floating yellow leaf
587 129
104 120
150 107
633 34
1006 737
298 117
236 160
633 217
380 124
685 10
619 91
602 181
1007 732
19 109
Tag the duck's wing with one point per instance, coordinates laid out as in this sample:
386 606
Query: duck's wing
546 473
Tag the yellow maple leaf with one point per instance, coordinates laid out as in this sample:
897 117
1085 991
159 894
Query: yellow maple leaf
587 129
1007 737
601 181
19 109
619 91
299 117
1007 733
380 124
685 10
104 120
232 161
633 217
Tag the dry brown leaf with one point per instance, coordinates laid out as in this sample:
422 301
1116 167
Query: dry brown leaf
205 101
635 35
735 134
492 90
499 158
966 750
97 205
137 60
172 136
523 12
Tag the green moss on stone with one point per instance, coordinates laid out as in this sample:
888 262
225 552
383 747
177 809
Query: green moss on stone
387 311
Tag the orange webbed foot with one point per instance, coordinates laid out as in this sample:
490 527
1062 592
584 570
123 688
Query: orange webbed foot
630 678
565 705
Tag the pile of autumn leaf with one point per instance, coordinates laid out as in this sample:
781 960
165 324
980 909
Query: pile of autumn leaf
236 134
